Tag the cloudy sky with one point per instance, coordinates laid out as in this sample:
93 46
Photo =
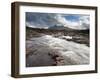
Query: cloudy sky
46 20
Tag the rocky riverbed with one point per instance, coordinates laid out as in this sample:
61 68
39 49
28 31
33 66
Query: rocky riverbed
48 50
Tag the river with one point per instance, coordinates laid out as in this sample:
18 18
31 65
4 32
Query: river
52 51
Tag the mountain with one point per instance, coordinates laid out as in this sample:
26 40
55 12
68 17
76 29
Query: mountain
57 26
60 27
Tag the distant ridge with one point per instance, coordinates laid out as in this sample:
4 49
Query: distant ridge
62 29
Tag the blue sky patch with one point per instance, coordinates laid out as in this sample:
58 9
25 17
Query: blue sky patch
72 17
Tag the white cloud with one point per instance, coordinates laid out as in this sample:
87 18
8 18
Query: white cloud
48 20
82 23
30 24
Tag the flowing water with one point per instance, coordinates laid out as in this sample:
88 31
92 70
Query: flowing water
48 51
